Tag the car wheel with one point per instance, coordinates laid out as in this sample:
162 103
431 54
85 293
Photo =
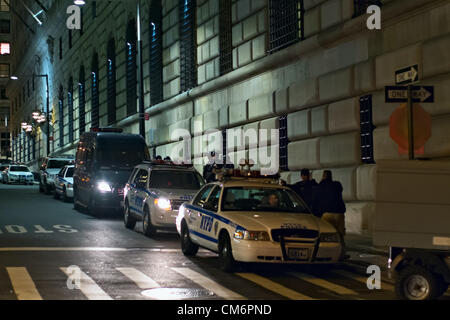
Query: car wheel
227 261
417 283
187 246
128 220
147 226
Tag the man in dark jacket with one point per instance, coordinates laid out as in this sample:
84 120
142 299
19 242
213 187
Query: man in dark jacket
208 170
306 188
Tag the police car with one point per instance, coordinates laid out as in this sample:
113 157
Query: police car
154 193
64 183
248 218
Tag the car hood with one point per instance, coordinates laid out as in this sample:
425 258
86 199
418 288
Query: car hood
259 221
174 194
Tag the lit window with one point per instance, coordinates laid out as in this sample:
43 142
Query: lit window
5 48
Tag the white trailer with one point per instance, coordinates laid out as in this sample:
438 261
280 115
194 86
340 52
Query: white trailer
413 219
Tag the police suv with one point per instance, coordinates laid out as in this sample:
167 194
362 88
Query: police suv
154 193
249 218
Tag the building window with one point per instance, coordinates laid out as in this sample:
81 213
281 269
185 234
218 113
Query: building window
61 116
4 70
156 65
111 80
362 5
5 48
283 144
70 39
94 10
28 88
367 127
81 102
188 48
95 116
4 5
5 26
225 34
81 20
70 108
60 48
131 67
286 23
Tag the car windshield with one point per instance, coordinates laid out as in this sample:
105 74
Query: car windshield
69 173
121 155
171 179
262 199
57 164
19 169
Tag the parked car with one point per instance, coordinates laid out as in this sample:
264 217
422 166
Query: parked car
18 174
255 220
64 183
155 192
50 168
105 159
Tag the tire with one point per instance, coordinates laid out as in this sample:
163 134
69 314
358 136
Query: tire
128 220
188 248
147 226
227 262
417 283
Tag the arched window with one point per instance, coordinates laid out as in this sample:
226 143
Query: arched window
81 102
131 67
156 65
61 116
70 108
111 79
95 117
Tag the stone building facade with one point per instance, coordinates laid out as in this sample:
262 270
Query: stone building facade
310 68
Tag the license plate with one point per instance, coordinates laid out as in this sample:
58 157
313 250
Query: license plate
298 254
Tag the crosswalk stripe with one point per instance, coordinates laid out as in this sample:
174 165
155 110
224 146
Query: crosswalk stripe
142 280
209 284
275 287
87 286
23 285
324 283
384 285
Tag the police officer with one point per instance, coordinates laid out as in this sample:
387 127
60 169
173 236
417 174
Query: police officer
306 188
208 169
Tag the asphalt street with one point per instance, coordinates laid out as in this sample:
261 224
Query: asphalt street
50 251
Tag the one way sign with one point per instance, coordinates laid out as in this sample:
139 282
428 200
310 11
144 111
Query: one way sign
397 94
407 75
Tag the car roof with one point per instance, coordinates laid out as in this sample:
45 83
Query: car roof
262 183
165 167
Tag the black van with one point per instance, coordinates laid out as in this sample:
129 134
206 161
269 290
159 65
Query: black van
105 159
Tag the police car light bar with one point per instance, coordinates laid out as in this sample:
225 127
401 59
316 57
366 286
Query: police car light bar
116 130
168 163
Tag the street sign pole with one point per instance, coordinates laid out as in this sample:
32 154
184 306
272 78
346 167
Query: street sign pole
410 116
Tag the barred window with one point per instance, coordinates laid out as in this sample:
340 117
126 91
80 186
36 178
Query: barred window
286 23
283 143
95 117
131 67
225 37
70 108
156 65
61 116
188 48
367 127
29 147
33 147
362 5
111 80
81 102
70 39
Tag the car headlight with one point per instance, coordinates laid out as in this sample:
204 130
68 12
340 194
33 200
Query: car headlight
163 203
252 235
103 186
329 237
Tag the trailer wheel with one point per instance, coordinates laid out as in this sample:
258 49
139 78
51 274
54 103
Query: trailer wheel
417 283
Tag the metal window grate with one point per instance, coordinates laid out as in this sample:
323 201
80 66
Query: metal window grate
283 143
362 5
188 49
111 81
61 122
225 37
29 147
95 115
286 23
131 68
70 109
81 102
367 127
156 60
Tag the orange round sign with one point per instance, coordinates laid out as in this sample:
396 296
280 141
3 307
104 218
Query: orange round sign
398 126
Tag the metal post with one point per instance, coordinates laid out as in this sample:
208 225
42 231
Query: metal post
141 76
410 114
48 116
